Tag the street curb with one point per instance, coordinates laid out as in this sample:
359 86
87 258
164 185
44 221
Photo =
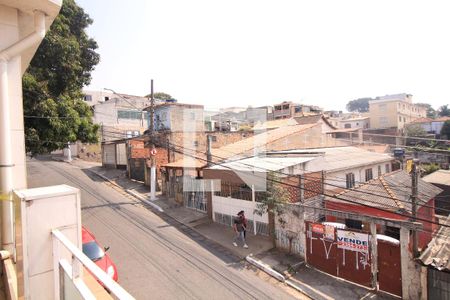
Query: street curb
265 268
129 191
144 200
297 288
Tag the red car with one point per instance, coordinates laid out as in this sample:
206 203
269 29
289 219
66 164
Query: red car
97 254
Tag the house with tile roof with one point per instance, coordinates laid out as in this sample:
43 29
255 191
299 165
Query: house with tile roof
431 126
387 196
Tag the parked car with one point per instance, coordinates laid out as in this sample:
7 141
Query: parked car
93 250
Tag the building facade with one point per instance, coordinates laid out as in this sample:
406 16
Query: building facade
394 111
288 109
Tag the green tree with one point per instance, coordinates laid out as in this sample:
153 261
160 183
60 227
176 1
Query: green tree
431 112
273 203
445 131
359 105
444 111
53 107
415 130
161 96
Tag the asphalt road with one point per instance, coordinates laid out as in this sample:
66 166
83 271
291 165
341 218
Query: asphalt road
156 257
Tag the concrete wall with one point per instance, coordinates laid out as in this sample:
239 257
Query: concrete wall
290 230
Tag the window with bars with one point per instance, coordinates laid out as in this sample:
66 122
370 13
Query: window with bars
350 180
129 114
369 174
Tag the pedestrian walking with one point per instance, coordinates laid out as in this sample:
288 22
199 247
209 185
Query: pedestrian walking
240 227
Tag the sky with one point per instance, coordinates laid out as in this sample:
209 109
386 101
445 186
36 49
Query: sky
260 52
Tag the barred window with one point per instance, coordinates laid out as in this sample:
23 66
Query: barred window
369 174
350 180
129 114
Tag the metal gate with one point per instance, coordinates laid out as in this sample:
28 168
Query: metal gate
323 253
389 268
438 284
194 194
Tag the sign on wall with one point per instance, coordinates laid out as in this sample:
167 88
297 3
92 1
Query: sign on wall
329 233
353 241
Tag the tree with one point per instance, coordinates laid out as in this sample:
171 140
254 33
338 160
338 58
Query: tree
161 96
273 204
53 107
415 130
359 105
445 131
444 111
431 112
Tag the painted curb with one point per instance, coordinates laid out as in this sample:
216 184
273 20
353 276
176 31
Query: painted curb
297 288
129 192
134 194
265 268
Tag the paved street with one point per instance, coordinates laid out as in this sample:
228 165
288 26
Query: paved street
156 257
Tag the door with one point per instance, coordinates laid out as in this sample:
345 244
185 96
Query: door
389 268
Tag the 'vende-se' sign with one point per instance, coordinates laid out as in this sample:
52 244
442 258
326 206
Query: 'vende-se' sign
353 241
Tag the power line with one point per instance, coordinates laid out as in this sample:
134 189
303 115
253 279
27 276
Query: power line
286 174
324 194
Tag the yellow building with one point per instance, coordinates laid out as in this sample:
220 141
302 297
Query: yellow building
394 111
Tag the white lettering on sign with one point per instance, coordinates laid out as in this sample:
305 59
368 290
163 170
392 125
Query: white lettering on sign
353 241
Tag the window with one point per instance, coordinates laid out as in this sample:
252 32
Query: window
129 134
278 107
164 116
379 171
286 106
87 98
382 107
106 98
399 118
392 232
135 133
369 174
192 116
383 121
357 124
387 167
129 114
298 109
348 125
195 143
213 138
350 180
355 224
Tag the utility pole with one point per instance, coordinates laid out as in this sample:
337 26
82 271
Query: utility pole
152 136
414 185
208 150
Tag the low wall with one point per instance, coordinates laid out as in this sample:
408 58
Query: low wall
225 209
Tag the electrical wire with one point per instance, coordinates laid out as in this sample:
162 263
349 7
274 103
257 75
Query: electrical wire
330 196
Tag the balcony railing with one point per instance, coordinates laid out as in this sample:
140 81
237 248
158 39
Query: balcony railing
68 275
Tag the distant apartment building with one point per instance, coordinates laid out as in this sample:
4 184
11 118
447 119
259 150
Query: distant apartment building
94 97
288 109
173 116
120 115
394 111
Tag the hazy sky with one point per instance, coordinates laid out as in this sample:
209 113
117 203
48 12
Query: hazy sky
257 52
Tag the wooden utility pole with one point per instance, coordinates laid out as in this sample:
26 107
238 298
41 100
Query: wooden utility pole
152 137
208 150
414 187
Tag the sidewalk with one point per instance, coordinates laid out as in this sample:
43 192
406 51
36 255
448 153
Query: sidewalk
289 269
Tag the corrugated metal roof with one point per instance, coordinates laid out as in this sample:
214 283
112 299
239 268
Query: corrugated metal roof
262 164
390 191
245 145
339 158
438 251
438 177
